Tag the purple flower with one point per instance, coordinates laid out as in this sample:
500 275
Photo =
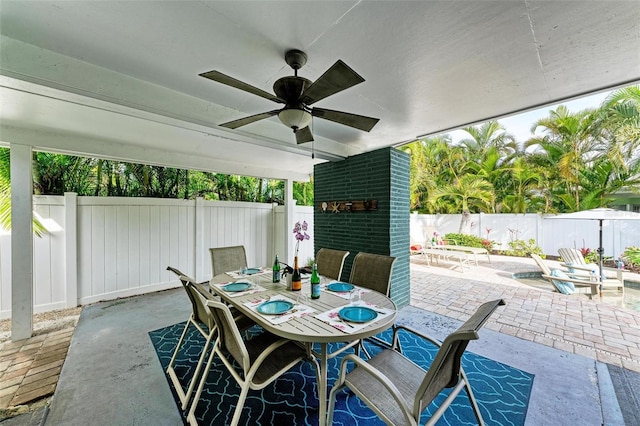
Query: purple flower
299 229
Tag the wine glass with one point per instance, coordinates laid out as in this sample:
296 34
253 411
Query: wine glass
243 270
302 298
355 296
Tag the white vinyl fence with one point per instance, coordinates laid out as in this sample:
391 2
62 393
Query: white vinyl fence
102 248
549 234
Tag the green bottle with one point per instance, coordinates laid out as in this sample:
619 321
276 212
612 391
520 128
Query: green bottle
276 270
315 282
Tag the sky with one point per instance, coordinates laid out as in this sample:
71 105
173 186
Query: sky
520 125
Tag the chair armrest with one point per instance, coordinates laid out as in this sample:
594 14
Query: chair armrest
579 267
414 332
584 282
588 269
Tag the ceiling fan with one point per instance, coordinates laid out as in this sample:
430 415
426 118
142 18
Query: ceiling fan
298 94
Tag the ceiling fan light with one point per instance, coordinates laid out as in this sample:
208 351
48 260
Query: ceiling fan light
295 118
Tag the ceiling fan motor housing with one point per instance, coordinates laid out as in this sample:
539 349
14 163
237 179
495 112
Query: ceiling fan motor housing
290 89
295 58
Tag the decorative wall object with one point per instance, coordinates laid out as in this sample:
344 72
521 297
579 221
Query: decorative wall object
348 206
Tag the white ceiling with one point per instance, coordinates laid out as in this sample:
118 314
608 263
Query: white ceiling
120 79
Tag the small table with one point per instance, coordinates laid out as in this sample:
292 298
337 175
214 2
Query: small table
308 329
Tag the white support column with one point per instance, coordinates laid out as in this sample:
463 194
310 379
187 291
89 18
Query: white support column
200 253
288 221
21 243
71 248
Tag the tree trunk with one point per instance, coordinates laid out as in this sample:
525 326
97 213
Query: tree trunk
465 222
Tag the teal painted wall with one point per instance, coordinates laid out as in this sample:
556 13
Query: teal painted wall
381 175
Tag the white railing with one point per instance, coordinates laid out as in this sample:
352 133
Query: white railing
118 247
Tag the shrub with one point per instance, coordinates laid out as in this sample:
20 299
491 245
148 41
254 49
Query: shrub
631 256
591 256
523 248
469 241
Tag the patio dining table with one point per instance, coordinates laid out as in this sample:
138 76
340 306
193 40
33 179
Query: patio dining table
305 326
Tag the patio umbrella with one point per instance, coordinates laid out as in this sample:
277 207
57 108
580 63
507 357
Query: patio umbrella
600 214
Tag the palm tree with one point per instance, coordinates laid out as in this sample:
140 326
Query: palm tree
622 112
5 190
569 144
469 191
487 136
5 195
619 126
429 167
525 191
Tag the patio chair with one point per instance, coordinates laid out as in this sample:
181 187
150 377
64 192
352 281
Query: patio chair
330 262
372 271
204 287
417 241
258 361
575 262
563 280
205 327
398 390
416 247
225 259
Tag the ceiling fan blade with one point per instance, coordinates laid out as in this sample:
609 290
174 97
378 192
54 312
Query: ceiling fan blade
336 79
230 81
352 120
304 135
250 119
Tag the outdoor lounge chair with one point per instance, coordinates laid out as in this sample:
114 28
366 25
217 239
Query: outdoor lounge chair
330 262
398 390
415 247
258 361
575 262
561 278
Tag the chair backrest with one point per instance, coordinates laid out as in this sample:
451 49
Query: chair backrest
444 371
572 256
198 300
176 271
229 337
225 259
198 312
543 266
330 262
372 271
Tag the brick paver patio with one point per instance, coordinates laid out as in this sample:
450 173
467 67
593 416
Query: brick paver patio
572 323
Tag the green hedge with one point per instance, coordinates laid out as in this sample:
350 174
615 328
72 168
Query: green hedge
468 240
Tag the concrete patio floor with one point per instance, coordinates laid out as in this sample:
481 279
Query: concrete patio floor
112 376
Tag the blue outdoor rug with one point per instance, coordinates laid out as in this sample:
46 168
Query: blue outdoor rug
501 391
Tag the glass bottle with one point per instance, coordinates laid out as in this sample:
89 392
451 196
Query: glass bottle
296 279
276 271
315 282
